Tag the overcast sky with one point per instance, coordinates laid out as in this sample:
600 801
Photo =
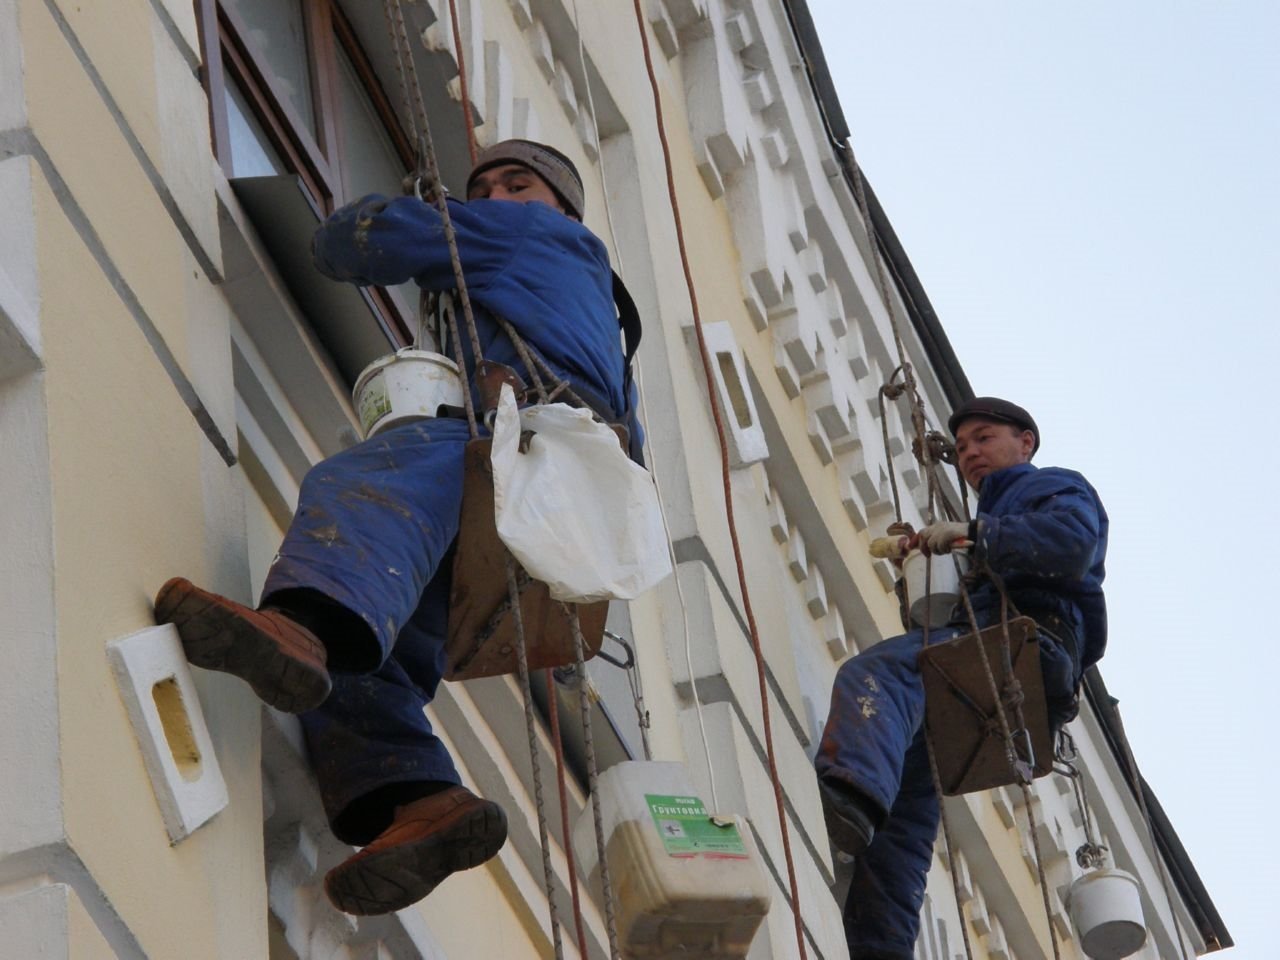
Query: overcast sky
1088 194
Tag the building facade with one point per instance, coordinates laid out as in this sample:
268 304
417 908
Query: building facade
171 365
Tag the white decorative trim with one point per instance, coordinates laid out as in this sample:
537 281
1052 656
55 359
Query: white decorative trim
747 444
160 697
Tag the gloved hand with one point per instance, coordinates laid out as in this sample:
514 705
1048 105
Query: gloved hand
944 536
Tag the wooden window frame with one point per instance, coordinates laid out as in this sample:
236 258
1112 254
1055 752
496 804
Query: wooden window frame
315 156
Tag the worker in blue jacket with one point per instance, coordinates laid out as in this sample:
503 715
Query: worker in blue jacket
351 629
1044 533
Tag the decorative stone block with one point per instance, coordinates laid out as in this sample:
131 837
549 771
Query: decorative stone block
747 443
815 593
565 91
818 439
797 556
521 13
540 47
833 632
777 516
978 914
887 574
160 697
664 28
1004 806
774 146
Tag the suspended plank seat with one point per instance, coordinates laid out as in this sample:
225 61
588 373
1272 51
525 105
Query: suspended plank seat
482 628
961 715
482 633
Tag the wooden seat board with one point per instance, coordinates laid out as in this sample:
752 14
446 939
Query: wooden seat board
960 711
482 636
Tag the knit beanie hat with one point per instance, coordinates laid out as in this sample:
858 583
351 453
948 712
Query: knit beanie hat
550 164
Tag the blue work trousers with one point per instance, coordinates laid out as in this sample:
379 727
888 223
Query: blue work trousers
373 531
874 742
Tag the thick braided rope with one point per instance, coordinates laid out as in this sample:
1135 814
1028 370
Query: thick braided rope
522 660
597 815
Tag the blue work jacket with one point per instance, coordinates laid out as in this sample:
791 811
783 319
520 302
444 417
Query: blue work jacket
544 272
1044 533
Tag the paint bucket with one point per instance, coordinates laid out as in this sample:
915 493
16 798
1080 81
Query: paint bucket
1106 910
407 385
688 883
942 583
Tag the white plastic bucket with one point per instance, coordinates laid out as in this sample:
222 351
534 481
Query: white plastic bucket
943 585
407 385
1106 910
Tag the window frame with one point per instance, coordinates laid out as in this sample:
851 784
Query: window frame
316 157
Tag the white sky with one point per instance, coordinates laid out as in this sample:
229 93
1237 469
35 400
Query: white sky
1088 192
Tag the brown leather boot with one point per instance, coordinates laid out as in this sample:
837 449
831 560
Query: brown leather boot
283 661
428 840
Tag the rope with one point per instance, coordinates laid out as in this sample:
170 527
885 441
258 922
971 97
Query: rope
428 169
951 852
915 404
427 162
553 709
522 661
401 73
1005 730
597 815
461 57
884 393
1044 885
705 354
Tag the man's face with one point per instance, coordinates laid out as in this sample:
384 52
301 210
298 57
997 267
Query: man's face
985 446
512 181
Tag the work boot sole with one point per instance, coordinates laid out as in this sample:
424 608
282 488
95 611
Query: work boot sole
217 635
384 881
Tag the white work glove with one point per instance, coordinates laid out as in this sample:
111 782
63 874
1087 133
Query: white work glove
943 537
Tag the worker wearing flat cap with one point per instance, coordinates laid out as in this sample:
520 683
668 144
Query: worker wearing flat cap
1043 532
350 632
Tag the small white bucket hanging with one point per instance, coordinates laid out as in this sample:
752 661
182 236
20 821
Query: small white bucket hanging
576 512
943 585
1106 910
407 385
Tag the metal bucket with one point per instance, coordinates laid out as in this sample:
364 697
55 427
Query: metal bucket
407 385
943 582
1106 909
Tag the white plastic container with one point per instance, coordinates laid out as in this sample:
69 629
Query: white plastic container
1106 910
404 386
686 883
940 593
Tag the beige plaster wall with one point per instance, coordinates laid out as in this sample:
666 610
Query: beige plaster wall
136 482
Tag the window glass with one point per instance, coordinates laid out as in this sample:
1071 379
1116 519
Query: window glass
278 36
251 152
370 162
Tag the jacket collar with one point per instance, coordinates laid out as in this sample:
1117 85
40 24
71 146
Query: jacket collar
995 484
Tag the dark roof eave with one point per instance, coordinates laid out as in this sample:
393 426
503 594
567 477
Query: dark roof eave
937 347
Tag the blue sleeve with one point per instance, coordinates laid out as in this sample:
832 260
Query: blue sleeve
376 241
1054 533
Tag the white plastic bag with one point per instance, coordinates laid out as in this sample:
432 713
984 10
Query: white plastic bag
573 509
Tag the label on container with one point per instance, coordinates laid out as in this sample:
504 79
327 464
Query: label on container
374 404
687 830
